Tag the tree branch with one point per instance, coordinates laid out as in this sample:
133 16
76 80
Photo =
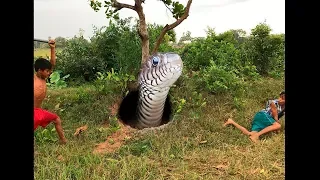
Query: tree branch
118 6
171 26
168 8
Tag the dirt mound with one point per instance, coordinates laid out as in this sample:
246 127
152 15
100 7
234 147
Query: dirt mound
115 140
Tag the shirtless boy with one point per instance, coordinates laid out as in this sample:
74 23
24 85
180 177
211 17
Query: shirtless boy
42 117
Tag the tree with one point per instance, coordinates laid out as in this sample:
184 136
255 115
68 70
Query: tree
261 48
60 41
234 36
179 12
186 36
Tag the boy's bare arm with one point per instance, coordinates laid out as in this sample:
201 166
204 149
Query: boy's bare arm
52 45
274 112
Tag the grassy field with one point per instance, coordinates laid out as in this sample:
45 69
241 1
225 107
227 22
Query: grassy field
43 52
194 146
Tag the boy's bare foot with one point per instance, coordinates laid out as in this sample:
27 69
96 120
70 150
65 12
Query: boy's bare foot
252 133
254 138
62 141
228 121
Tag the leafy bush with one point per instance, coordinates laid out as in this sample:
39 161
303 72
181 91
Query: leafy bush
79 60
218 80
236 57
117 46
56 81
112 81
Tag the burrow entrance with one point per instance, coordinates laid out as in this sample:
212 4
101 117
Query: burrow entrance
127 111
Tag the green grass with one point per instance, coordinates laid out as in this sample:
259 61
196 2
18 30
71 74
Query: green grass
194 146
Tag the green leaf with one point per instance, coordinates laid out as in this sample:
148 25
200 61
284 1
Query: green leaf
44 131
61 84
203 104
132 78
54 77
66 76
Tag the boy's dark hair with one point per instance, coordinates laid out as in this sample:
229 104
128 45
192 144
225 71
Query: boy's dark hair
282 92
42 64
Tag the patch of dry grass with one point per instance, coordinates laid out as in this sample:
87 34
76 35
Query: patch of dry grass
43 52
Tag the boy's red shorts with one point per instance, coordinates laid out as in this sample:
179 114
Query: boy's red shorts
42 118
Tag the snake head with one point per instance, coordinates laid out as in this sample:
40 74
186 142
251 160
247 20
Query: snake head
161 70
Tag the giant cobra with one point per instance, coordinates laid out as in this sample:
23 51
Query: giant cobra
149 106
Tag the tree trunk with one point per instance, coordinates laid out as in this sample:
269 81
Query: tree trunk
143 32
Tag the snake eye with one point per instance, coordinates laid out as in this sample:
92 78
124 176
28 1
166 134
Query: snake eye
155 61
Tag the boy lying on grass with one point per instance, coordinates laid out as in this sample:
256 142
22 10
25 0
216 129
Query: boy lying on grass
43 69
264 121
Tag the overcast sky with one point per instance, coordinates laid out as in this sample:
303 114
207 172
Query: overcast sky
65 17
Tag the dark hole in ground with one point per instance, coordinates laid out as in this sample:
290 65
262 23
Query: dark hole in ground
128 109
